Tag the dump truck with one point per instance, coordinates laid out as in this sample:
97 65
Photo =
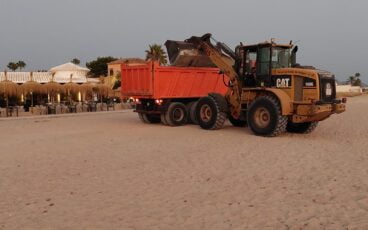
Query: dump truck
169 94
265 88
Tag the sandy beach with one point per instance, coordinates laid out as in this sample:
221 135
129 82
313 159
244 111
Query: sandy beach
110 171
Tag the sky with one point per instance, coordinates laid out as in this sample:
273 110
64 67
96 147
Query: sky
331 34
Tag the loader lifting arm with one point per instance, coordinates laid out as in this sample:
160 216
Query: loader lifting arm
233 95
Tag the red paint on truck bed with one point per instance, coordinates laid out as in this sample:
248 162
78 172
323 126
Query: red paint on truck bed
151 80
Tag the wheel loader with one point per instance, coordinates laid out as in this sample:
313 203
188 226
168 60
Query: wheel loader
267 90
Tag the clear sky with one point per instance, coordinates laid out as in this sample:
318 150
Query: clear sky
331 34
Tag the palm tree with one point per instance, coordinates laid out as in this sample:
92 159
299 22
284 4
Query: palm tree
351 80
13 66
21 64
75 61
156 53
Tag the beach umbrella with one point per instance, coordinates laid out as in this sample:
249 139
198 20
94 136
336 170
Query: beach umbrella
8 88
72 87
31 86
53 87
103 90
87 87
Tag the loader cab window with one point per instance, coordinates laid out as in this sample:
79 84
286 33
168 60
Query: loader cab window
263 66
250 62
280 57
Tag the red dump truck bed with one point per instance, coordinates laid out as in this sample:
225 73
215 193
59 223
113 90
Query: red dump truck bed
152 81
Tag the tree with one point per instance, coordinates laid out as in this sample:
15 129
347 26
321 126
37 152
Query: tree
75 61
98 67
351 80
117 82
13 66
156 53
21 65
355 80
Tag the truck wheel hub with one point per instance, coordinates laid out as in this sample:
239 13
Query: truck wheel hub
262 117
206 113
178 114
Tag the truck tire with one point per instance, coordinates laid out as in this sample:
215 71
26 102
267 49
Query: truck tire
191 109
142 118
264 117
149 118
237 122
305 128
210 113
163 119
176 114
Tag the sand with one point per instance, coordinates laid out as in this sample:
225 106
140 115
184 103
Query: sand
110 171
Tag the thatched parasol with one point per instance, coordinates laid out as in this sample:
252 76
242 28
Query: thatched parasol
87 87
9 88
31 86
72 87
103 89
53 87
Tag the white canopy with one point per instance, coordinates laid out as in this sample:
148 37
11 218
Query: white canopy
68 67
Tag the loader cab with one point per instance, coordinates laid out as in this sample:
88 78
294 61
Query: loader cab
259 60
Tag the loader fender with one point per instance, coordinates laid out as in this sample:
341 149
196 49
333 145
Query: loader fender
285 101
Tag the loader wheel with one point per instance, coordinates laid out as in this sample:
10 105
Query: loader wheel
210 114
176 114
304 128
237 122
149 118
191 109
264 117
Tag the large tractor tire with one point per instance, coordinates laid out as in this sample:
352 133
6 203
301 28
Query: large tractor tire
237 122
264 117
191 109
149 118
211 112
176 114
305 128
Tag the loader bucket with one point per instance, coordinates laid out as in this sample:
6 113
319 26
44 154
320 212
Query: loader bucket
184 54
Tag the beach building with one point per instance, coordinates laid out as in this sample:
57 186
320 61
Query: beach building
66 82
62 74
114 69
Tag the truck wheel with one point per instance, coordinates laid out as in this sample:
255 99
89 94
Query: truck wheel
210 114
191 109
176 114
163 119
142 118
237 122
264 117
153 118
149 118
304 128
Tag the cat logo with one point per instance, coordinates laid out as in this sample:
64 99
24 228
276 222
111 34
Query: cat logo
283 82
